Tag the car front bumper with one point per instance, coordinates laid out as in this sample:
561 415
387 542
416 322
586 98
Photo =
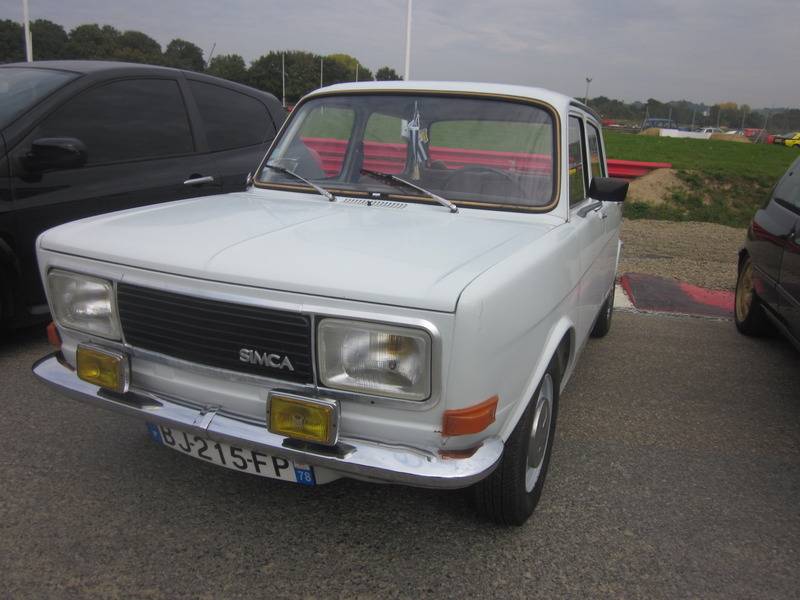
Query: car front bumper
359 459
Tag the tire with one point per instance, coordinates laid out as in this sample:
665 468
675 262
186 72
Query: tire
603 323
510 494
748 313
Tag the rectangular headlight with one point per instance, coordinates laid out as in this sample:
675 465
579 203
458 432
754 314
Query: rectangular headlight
372 358
84 303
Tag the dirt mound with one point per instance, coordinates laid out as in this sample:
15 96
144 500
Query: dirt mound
651 131
727 137
656 187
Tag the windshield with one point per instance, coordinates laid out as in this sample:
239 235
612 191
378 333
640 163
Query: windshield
470 151
21 88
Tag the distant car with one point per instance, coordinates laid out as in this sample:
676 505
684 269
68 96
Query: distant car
790 140
710 130
768 286
79 138
659 123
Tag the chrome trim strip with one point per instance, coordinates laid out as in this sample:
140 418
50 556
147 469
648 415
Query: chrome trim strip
364 460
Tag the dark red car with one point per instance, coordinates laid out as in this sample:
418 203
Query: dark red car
768 286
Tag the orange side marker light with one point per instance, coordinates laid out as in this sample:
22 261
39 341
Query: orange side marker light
53 336
473 419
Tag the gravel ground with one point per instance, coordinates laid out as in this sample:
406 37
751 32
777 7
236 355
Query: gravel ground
703 254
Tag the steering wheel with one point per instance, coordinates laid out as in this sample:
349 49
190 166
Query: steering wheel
484 169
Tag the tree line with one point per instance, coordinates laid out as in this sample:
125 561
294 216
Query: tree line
729 115
104 42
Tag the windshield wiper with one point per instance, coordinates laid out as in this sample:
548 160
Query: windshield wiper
394 178
321 190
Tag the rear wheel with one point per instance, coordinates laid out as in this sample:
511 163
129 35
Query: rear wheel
510 494
748 313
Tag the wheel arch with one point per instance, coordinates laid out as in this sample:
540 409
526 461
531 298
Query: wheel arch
560 346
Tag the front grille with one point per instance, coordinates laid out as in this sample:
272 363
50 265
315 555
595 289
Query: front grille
213 333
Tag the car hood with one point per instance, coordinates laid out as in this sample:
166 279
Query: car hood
416 256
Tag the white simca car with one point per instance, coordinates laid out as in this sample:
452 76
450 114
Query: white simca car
399 296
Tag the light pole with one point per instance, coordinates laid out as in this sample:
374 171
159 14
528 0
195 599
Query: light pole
408 41
586 95
26 20
321 63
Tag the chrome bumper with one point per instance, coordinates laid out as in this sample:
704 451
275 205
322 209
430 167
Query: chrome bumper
354 458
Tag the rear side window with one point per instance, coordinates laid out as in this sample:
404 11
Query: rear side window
788 189
577 163
595 152
125 120
232 120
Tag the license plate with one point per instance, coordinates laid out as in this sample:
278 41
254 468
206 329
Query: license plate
232 457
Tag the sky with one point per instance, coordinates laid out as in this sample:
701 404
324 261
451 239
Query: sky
702 50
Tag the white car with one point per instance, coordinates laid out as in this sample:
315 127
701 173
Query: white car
400 295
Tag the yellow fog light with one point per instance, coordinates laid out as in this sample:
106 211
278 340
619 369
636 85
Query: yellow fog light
104 368
310 420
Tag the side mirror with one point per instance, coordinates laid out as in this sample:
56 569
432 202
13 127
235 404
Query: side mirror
608 189
55 153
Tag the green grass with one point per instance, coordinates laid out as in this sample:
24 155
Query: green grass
726 181
760 161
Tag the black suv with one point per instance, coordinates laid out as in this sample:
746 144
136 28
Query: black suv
768 287
79 138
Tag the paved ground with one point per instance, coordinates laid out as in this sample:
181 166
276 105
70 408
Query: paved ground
676 474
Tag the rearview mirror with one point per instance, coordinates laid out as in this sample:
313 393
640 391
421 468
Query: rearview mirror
608 189
56 153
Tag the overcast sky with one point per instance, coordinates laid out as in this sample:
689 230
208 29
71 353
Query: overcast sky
743 51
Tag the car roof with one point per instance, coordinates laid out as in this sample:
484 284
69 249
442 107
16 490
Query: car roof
86 66
535 93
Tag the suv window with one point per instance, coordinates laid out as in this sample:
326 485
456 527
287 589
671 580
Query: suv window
232 119
577 162
788 189
595 151
125 120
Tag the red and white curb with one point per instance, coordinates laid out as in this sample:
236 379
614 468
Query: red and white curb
652 294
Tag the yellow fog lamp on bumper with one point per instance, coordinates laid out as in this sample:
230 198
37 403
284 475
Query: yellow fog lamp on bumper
306 419
104 368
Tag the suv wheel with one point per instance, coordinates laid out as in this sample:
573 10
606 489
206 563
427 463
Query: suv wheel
748 314
510 494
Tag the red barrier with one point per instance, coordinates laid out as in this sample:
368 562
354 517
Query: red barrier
391 158
631 169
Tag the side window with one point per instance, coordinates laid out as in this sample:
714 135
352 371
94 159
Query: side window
577 162
232 120
595 151
125 120
384 144
788 189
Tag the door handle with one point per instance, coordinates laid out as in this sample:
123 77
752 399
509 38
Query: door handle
199 180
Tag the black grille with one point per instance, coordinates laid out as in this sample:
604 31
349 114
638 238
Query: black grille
213 333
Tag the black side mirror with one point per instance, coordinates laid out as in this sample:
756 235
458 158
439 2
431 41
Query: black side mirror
608 189
55 153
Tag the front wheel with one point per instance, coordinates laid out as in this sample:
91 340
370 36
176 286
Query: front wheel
510 494
748 313
603 323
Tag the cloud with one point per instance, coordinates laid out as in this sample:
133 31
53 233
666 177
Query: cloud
710 51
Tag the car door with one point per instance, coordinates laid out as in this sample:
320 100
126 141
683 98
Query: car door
768 235
611 212
587 218
140 149
788 195
238 127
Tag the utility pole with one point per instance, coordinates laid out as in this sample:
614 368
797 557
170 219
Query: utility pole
283 77
744 114
211 54
26 20
670 117
586 95
694 110
408 41
356 70
321 63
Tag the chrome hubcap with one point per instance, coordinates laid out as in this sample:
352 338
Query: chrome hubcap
540 432
744 292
